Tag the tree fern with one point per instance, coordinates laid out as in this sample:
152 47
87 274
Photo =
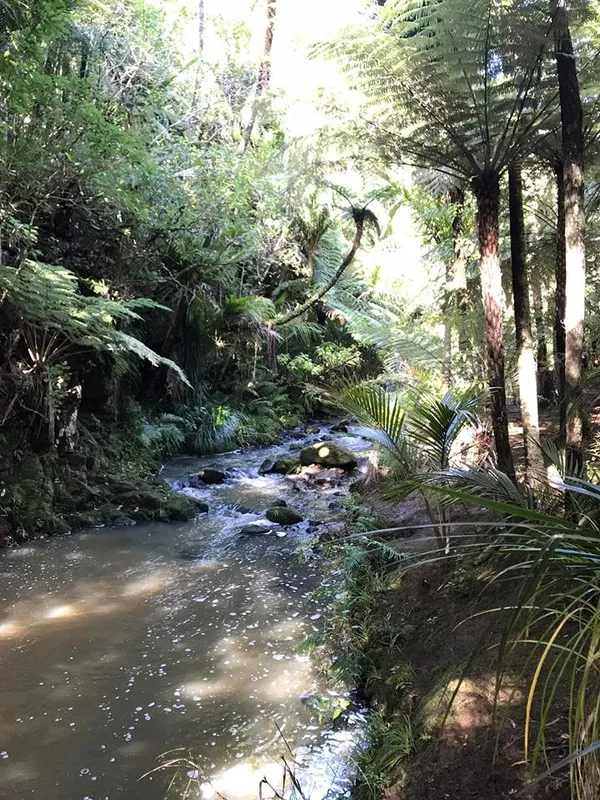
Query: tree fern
48 296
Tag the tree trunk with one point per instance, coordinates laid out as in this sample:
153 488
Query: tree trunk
487 191
359 221
447 307
457 196
264 73
545 386
201 25
534 462
559 305
574 220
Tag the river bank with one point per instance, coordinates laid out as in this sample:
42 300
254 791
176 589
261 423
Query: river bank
422 641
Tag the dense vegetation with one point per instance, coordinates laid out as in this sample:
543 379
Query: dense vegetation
177 264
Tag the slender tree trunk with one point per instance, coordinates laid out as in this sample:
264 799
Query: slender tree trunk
201 25
448 326
543 370
359 221
302 308
264 73
534 462
574 221
487 191
559 305
457 196
201 32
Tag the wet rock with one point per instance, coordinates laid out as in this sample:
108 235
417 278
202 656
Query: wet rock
286 464
192 554
311 430
242 509
109 513
297 434
328 477
59 526
83 519
279 503
179 508
121 487
335 506
295 447
200 505
328 454
267 466
211 476
339 428
257 529
124 522
32 495
283 515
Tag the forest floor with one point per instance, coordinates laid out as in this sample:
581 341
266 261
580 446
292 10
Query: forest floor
433 614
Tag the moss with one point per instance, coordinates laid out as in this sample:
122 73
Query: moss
283 515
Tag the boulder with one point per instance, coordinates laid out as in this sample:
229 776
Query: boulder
192 554
311 430
58 525
283 515
339 428
279 503
31 509
83 519
286 464
242 509
211 476
297 434
267 466
328 454
256 528
178 508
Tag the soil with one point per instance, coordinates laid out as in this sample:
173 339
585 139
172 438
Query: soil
476 752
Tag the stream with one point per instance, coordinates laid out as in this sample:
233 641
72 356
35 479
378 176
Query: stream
122 649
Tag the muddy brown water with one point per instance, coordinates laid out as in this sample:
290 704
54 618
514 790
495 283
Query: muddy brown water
120 645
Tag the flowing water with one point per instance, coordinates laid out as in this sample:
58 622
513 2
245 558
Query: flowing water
122 644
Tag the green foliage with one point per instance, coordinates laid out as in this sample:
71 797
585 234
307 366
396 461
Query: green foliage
392 741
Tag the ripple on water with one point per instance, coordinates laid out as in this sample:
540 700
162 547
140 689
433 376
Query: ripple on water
122 644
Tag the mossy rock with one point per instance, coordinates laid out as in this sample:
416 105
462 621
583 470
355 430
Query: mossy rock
328 454
74 494
283 515
267 466
179 508
31 496
285 465
58 526
211 476
83 519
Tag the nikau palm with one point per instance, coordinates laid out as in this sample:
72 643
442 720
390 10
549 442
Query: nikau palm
452 87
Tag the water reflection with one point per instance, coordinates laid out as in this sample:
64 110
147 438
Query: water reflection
116 647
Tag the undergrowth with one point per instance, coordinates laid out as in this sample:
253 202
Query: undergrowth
358 639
